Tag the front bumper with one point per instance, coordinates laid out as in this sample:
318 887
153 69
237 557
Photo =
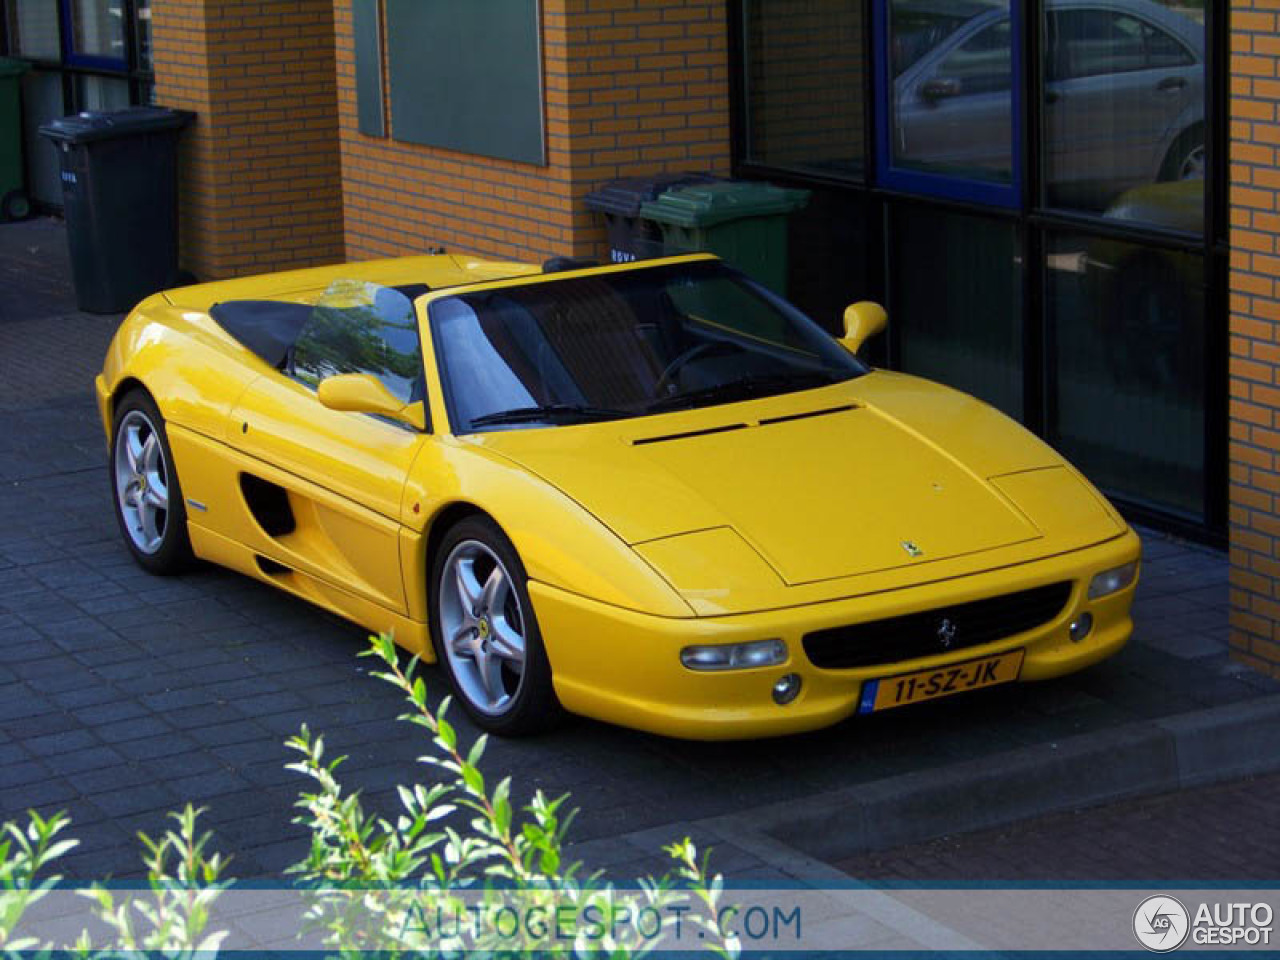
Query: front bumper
624 667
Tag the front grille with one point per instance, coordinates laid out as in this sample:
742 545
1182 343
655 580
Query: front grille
921 634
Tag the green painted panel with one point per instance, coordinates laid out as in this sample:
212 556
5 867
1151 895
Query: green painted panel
368 44
466 75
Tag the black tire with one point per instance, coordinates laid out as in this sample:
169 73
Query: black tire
531 706
1182 154
15 206
172 553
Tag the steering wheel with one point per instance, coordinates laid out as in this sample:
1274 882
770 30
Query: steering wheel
708 349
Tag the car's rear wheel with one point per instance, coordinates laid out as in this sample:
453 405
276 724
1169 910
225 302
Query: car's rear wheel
1186 158
145 489
486 634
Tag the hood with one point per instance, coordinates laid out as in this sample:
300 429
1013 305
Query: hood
822 485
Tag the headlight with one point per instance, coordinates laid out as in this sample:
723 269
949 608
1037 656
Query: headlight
735 656
1112 581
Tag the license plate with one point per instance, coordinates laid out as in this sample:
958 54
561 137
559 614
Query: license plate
889 692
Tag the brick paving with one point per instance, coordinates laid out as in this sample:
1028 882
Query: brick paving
1227 832
122 695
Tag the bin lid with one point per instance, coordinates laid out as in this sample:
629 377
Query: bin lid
624 197
705 205
110 124
10 67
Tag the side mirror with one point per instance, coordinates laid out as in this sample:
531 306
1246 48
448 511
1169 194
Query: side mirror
365 393
862 321
939 88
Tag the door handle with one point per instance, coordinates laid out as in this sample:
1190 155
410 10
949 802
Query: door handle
1171 83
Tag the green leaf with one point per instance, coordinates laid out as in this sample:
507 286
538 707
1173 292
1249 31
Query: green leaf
446 733
473 778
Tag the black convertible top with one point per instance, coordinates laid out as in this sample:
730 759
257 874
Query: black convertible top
267 327
270 328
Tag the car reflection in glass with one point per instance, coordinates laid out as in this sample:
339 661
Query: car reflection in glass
1149 300
1123 96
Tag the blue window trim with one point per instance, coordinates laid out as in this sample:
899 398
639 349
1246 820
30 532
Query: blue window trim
937 184
70 57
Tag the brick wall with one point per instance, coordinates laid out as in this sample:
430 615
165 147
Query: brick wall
632 87
1255 334
261 184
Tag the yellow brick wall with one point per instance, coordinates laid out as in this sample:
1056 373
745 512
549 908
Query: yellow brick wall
632 87
1255 334
260 175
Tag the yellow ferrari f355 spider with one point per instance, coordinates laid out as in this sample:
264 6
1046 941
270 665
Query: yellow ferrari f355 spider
653 493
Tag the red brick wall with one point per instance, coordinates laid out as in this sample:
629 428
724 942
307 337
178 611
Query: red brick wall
1255 334
261 185
632 87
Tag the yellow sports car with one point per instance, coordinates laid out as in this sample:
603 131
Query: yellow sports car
654 493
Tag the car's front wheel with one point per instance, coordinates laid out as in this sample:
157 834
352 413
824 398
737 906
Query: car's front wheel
145 488
486 634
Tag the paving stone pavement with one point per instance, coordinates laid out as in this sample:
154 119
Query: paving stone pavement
1226 832
123 695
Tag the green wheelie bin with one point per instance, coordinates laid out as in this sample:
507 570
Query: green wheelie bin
14 204
742 222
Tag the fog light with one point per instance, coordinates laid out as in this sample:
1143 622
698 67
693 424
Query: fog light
786 689
1081 626
735 656
1112 581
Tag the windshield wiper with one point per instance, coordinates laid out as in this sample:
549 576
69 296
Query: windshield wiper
744 388
548 411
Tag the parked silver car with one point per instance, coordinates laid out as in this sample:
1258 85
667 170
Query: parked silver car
1123 99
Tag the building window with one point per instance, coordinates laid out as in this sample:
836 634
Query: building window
951 107
954 282
98 33
803 84
33 30
1036 212
1124 108
1126 329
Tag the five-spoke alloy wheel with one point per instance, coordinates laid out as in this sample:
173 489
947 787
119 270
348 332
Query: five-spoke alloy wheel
148 499
485 631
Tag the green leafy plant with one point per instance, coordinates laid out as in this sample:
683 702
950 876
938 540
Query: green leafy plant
436 880
24 853
426 868
184 882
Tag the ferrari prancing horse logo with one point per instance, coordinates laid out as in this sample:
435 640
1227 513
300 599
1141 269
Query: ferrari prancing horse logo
912 549
947 632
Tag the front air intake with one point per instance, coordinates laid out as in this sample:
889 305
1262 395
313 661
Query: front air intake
937 631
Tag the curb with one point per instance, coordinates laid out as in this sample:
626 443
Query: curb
1147 757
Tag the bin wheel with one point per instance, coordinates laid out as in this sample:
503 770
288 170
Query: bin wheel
15 205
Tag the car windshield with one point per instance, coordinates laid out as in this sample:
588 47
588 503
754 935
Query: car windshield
624 344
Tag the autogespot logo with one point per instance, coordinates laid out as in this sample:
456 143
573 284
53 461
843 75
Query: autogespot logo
1161 923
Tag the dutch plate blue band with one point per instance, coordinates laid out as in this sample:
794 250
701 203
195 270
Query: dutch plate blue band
868 696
